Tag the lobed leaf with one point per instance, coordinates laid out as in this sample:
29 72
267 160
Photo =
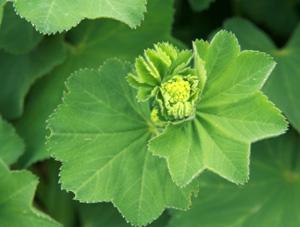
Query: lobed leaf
231 114
100 134
271 198
61 15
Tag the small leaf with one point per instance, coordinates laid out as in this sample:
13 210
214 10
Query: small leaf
16 195
19 72
271 198
60 15
231 114
100 134
282 87
11 145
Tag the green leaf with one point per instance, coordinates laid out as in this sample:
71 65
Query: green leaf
16 35
100 134
271 198
16 195
11 145
90 48
200 5
19 72
231 114
282 87
60 15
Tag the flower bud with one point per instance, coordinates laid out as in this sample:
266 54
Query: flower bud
164 77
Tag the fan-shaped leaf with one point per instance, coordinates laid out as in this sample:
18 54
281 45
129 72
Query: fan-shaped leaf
100 133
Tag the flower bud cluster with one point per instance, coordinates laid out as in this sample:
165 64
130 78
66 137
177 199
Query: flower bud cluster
165 77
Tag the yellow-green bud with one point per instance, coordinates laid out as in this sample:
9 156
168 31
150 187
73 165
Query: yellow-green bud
177 90
166 78
178 97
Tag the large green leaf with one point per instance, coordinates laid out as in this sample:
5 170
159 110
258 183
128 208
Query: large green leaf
271 198
11 145
283 85
93 42
60 15
16 35
100 134
19 72
231 114
16 195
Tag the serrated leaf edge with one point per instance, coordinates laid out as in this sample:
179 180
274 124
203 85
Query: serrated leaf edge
111 200
79 20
